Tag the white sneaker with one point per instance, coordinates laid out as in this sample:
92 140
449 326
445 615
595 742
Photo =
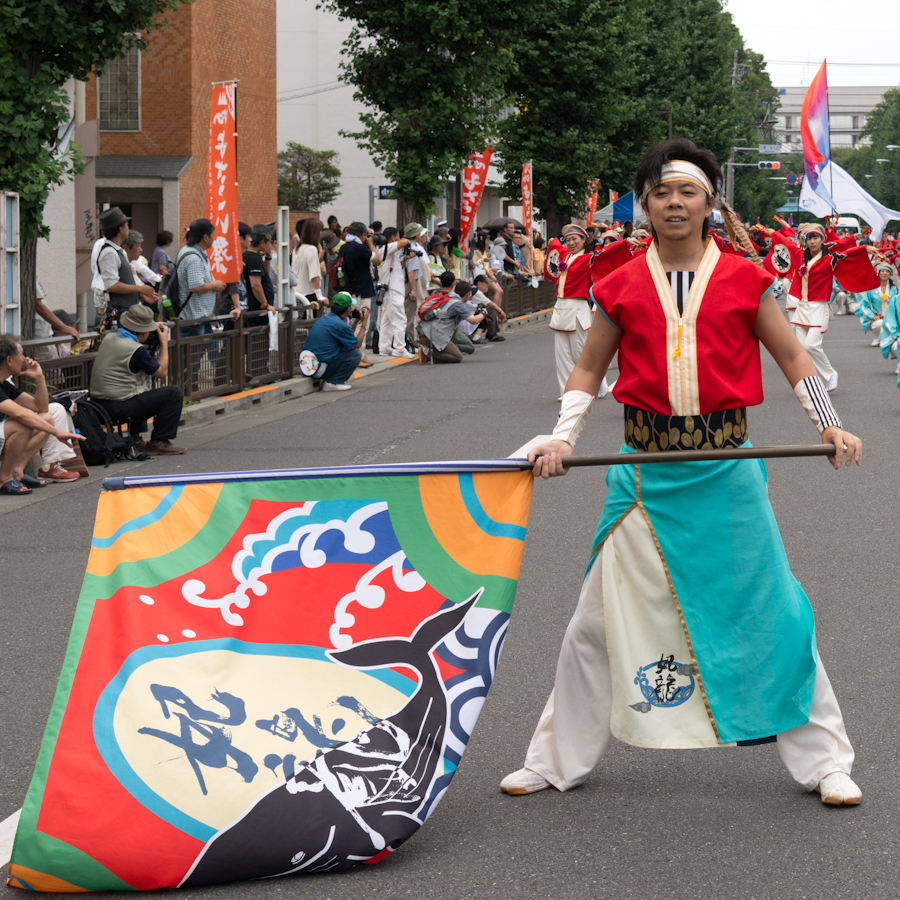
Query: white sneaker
831 384
524 781
328 386
404 354
838 789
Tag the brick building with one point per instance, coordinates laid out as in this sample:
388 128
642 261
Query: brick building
153 109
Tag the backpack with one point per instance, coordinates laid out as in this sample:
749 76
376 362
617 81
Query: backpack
102 443
431 306
169 289
339 279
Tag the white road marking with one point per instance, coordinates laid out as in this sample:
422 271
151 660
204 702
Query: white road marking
7 834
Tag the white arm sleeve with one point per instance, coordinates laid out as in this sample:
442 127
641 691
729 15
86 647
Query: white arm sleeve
576 407
814 399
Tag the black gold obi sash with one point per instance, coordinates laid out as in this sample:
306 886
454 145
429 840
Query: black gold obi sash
652 432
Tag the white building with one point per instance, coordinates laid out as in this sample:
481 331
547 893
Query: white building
848 109
314 105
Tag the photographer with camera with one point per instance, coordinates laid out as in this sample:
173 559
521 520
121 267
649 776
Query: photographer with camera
331 342
120 381
439 320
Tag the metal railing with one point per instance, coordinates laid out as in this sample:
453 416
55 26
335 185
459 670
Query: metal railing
232 357
235 356
521 299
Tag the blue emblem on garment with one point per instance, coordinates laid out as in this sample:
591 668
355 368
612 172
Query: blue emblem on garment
664 683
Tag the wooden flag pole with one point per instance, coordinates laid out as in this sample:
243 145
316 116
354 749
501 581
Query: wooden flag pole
673 456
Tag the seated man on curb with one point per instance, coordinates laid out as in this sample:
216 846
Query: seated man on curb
438 330
333 342
26 423
121 375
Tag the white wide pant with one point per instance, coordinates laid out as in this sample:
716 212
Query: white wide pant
567 346
574 729
55 451
811 341
392 323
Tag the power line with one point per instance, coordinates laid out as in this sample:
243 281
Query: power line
309 87
323 90
797 62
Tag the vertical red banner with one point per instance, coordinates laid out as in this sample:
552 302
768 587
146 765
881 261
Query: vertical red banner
592 201
528 207
225 260
473 180
613 196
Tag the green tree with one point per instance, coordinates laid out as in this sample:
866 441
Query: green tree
574 87
883 128
42 46
431 76
307 179
686 58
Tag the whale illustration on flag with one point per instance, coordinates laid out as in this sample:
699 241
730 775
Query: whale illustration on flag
270 673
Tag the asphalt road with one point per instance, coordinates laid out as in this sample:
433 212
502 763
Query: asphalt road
648 823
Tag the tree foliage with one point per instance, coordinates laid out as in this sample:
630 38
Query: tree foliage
593 86
431 77
42 46
883 127
573 87
307 179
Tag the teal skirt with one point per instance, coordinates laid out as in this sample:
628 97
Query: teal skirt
749 624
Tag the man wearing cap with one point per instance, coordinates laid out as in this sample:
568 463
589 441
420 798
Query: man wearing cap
120 381
690 629
812 271
438 329
112 271
333 342
418 275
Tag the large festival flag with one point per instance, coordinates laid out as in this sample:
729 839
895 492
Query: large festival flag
270 673
816 137
473 178
225 258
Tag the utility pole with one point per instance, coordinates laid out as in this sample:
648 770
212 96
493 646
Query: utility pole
729 171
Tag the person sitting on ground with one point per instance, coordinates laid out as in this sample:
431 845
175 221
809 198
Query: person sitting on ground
438 330
333 342
120 381
27 425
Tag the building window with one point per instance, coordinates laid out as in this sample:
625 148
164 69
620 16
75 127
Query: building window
841 121
842 140
119 94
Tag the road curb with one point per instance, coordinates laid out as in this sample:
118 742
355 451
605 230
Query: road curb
215 409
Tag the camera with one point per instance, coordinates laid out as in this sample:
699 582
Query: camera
379 240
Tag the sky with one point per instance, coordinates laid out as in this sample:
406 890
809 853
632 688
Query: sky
861 36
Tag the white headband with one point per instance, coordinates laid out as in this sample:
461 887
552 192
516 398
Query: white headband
682 170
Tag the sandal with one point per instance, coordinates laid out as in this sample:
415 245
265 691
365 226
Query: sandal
30 481
14 487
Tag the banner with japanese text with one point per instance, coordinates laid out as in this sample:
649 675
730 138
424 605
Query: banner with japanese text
592 201
225 258
613 196
270 673
528 208
473 180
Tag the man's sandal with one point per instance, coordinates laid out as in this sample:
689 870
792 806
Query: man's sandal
30 481
14 488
